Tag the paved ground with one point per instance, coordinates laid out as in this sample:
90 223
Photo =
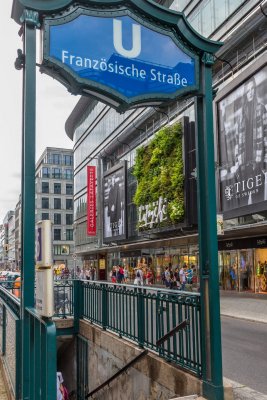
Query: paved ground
3 393
243 351
245 306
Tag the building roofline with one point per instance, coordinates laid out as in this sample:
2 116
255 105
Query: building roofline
77 113
39 161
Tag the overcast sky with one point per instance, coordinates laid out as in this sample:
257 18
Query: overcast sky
54 105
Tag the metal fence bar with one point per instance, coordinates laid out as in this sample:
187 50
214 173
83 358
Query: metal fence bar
141 314
146 314
37 358
43 348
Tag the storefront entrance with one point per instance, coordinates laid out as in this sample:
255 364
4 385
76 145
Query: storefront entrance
243 269
236 270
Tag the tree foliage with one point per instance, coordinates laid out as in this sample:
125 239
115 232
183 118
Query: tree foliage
159 171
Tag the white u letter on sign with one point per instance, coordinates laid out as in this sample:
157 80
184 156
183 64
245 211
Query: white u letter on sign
117 40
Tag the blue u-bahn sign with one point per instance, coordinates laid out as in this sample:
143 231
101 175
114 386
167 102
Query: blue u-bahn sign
134 60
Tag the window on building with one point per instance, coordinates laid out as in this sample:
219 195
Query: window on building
68 160
45 187
45 172
45 216
69 188
69 204
57 250
55 158
56 173
176 5
57 188
65 249
57 234
69 234
69 219
57 204
45 202
57 219
68 173
209 15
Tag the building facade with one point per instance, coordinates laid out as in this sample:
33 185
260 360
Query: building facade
18 233
2 250
7 242
11 240
54 201
111 142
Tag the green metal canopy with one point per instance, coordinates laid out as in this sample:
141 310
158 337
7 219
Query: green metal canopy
148 8
167 66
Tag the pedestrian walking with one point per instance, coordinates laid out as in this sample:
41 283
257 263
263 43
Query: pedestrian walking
182 275
138 277
120 274
126 274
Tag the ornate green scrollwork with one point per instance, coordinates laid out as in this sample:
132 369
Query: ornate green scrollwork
31 18
208 58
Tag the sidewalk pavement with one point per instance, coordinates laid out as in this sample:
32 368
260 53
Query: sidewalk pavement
3 390
249 306
246 306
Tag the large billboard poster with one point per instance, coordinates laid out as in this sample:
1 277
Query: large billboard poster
242 118
114 213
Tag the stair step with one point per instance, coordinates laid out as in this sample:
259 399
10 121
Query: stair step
191 397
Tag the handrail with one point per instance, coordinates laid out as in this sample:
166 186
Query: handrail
118 373
11 300
143 314
150 287
163 339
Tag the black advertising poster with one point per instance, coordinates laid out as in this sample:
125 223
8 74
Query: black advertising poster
242 122
114 214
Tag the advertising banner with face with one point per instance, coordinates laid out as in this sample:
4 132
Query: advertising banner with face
242 117
114 204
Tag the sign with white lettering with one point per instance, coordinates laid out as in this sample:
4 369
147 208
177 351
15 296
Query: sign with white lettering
120 53
91 200
150 215
242 116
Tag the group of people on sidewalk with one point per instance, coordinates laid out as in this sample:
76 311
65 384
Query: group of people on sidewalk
176 278
179 277
138 276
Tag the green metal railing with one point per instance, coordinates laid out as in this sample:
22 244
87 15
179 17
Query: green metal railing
144 315
63 298
43 356
10 340
42 350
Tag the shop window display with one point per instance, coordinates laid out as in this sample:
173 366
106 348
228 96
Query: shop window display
243 270
261 270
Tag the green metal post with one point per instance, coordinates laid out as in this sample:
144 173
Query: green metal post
141 318
51 361
4 330
30 20
208 246
18 360
79 294
104 306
